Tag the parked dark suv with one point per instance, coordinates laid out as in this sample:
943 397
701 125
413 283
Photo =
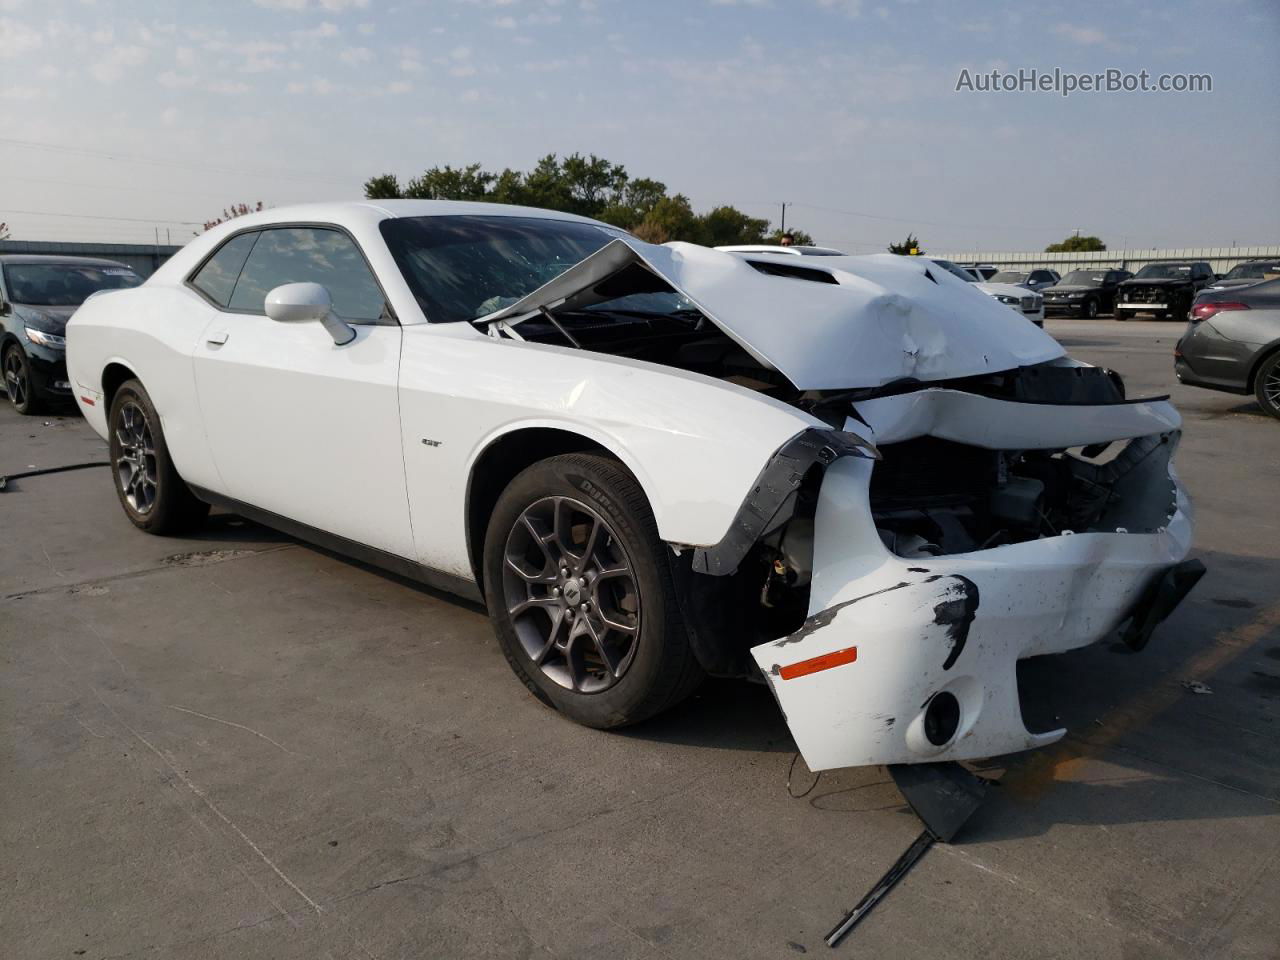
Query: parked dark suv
37 297
1163 289
1084 293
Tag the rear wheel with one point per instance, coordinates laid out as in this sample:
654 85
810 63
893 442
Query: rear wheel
18 381
154 497
580 593
1267 385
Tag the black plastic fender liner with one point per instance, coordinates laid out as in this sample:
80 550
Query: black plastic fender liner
776 482
1161 599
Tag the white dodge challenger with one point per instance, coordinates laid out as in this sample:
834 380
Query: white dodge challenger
856 479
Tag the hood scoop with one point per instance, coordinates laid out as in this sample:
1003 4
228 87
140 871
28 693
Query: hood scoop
856 322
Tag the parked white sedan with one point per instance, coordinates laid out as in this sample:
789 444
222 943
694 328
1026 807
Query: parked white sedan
852 478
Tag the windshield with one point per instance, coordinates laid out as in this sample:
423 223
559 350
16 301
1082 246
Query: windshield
1083 278
63 284
1164 271
1009 276
461 268
1251 271
952 268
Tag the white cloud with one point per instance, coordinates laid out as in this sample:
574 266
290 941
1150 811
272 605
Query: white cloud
228 87
1088 36
399 86
17 38
355 55
505 23
410 65
170 115
851 8
19 92
366 29
9 6
173 80
113 66
324 31
333 6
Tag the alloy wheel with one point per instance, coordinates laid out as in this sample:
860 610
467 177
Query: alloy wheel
571 594
15 378
1271 387
135 461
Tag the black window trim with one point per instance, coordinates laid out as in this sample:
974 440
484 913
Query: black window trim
389 319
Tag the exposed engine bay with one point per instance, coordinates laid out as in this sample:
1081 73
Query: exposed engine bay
951 466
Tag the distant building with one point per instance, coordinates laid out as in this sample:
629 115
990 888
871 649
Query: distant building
144 258
1221 259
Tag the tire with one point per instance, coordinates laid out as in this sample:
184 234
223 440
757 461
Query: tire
154 497
1091 309
19 382
555 528
1266 385
1119 315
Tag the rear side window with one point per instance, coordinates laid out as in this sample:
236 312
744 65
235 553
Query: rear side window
310 255
217 278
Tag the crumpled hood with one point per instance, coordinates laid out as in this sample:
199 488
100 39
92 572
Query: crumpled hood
50 319
866 321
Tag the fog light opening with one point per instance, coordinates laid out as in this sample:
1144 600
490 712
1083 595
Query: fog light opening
941 718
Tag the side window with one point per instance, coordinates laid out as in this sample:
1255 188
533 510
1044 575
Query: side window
310 255
217 278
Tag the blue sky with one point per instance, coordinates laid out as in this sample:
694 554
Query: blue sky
846 108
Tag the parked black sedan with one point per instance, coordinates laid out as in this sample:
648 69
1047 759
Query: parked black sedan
1164 289
1084 293
38 294
1232 343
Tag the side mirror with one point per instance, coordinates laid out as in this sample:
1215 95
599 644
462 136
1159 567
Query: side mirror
5 308
307 303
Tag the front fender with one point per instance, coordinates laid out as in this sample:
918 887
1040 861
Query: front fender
696 445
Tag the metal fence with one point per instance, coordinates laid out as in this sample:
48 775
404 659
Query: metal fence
144 258
1221 259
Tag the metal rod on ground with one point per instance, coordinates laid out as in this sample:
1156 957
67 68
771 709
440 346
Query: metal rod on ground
899 870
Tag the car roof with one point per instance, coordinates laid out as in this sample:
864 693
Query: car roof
51 259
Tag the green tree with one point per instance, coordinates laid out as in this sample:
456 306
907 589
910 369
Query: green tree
909 247
1076 244
591 186
447 183
592 183
4 231
672 218
383 187
726 225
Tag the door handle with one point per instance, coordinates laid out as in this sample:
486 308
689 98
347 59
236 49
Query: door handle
217 339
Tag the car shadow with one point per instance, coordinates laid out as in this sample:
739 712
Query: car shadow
1142 744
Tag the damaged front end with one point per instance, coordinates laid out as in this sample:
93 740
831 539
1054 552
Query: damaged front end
967 497
1007 517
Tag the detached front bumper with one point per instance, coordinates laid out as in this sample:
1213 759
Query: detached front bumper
910 660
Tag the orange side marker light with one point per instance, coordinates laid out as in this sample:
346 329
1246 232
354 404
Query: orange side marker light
837 658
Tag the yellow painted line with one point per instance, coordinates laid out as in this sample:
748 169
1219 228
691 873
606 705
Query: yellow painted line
1063 759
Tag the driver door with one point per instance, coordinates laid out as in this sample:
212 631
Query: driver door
297 425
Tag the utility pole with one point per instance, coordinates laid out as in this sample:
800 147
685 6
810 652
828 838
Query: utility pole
783 228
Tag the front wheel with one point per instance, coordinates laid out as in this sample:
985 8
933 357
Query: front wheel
1091 309
1267 385
154 497
18 381
580 593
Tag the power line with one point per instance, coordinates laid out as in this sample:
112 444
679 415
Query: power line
89 216
134 158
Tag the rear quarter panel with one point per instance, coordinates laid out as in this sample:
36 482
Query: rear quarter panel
152 330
